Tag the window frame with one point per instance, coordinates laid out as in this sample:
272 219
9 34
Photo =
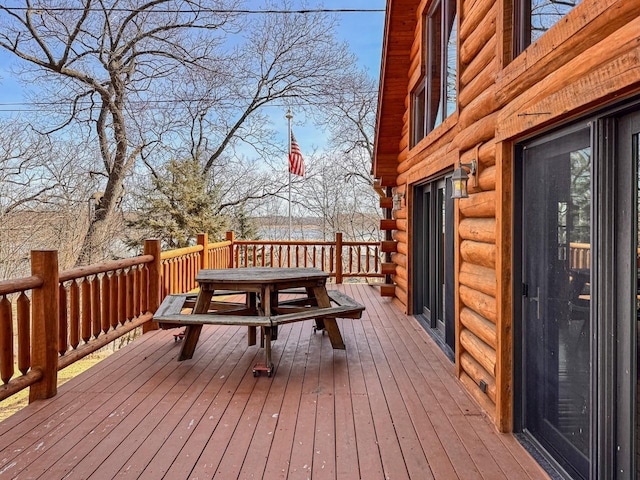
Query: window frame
440 17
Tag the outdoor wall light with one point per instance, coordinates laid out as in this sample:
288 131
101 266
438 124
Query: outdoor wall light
460 178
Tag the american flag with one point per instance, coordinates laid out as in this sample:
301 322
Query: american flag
296 162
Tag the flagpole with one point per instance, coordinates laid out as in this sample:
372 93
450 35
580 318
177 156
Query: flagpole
289 116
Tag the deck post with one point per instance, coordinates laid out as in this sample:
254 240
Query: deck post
203 239
339 257
231 237
153 247
45 312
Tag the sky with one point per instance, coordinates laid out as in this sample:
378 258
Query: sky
363 32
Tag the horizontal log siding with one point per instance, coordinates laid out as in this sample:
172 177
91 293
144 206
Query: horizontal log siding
584 62
476 352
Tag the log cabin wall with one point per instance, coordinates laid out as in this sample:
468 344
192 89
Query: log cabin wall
588 60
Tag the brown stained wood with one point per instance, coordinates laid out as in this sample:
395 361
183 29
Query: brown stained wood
434 151
479 253
580 29
480 397
388 224
402 294
96 311
44 339
6 340
387 290
386 202
19 284
105 291
130 276
487 178
478 229
618 44
504 249
388 268
96 268
63 317
74 314
122 296
479 62
478 205
137 275
467 6
23 308
85 308
477 373
619 77
481 131
388 246
113 299
480 106
479 326
402 224
479 37
481 83
478 278
140 414
486 155
474 17
480 351
479 302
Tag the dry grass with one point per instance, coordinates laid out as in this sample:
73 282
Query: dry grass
20 400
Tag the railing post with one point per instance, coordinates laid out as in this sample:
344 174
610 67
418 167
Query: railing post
338 257
153 247
44 340
203 239
231 237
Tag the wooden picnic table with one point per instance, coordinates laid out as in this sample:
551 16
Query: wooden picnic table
263 308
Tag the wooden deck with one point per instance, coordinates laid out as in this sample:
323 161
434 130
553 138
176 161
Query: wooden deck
386 407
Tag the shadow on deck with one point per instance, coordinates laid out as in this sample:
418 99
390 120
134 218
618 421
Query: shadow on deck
388 406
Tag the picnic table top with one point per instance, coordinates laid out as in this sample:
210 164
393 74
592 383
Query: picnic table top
259 275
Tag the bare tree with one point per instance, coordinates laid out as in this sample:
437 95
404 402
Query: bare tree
282 59
43 196
102 60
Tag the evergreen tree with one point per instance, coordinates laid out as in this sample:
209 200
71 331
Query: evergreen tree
177 206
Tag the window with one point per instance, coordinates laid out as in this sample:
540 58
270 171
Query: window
434 99
535 17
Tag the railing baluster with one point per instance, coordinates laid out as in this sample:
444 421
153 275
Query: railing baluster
95 306
113 299
122 297
135 287
24 333
74 314
130 286
63 318
85 289
6 340
105 302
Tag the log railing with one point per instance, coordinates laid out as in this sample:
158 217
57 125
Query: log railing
579 255
339 259
51 319
54 318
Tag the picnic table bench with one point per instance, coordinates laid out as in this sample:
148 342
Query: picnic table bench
265 311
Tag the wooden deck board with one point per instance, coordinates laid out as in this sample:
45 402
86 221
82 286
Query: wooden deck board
387 406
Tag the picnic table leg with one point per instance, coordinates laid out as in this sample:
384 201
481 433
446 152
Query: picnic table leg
330 324
267 366
191 336
192 332
314 303
251 305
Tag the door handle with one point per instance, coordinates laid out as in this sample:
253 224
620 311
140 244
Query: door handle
537 300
